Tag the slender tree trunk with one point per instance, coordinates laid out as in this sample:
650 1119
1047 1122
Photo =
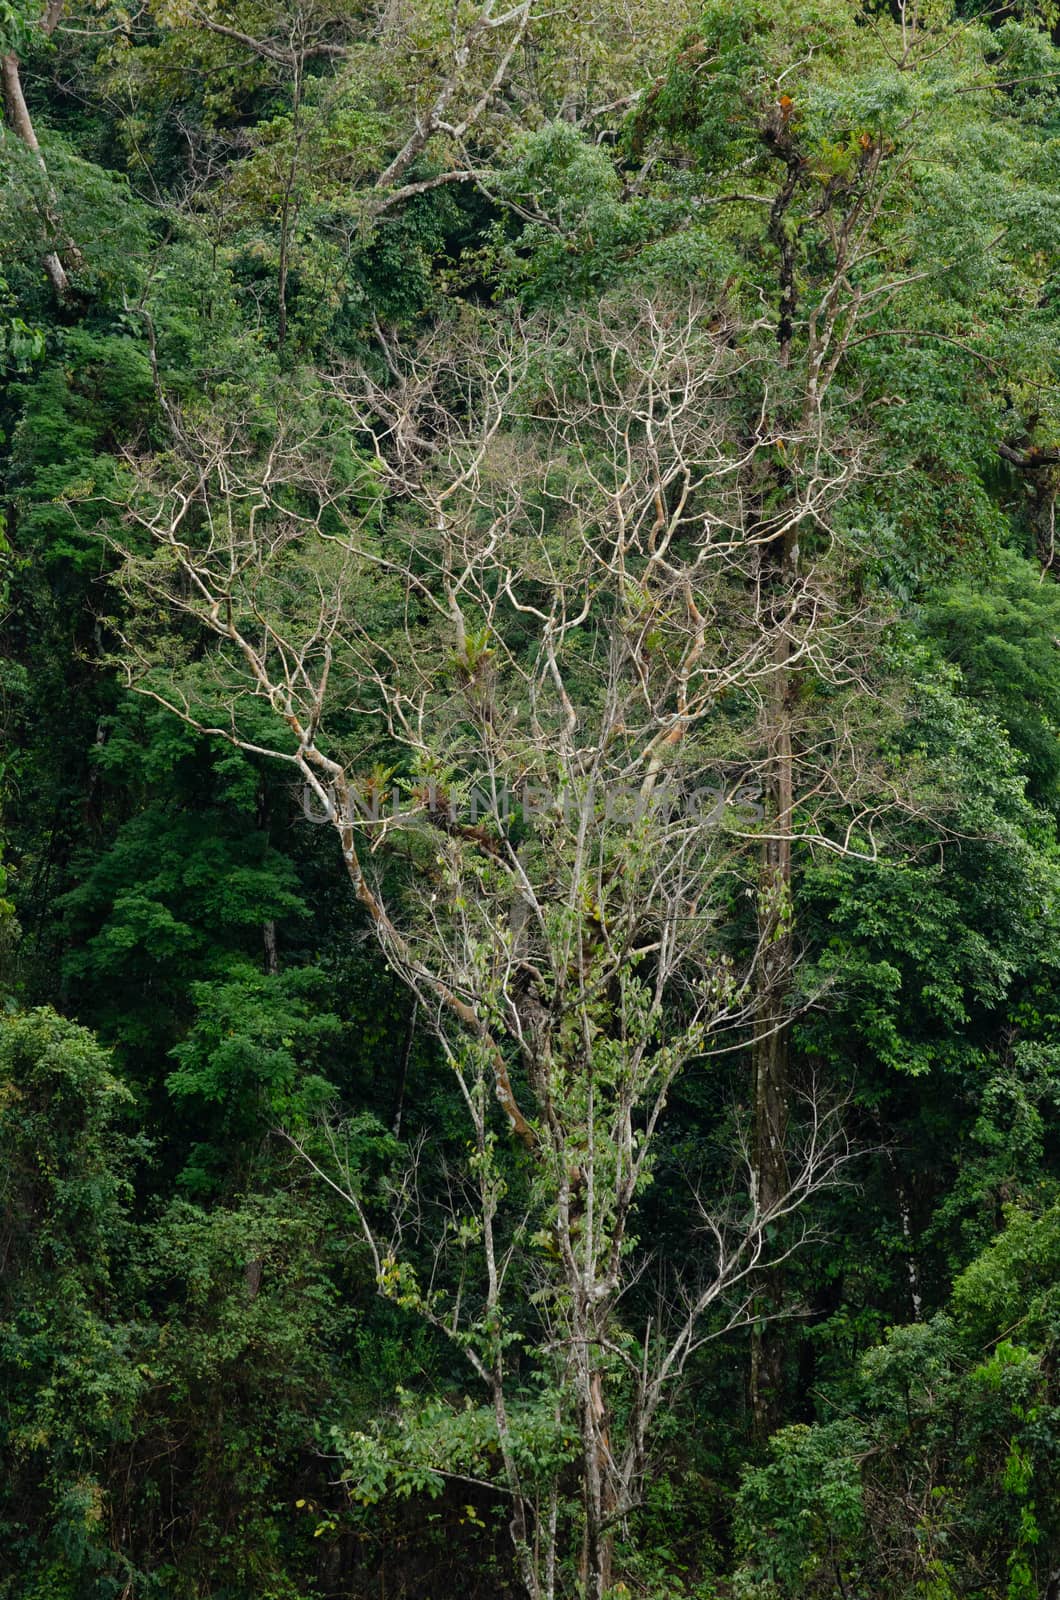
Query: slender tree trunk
21 124
772 1042
598 1549
406 1052
770 1051
281 289
288 208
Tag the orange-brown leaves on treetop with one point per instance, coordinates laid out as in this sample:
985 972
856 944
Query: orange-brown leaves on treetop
778 130
696 49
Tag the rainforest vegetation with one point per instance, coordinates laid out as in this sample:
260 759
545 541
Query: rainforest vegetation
530 746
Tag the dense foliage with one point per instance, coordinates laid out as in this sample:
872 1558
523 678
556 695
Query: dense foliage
440 1153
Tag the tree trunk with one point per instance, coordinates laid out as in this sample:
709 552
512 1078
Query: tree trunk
286 209
599 1535
21 124
772 1042
769 1056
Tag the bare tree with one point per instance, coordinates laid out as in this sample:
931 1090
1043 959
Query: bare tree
531 649
450 86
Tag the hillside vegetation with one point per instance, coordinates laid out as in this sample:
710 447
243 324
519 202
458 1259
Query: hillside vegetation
530 922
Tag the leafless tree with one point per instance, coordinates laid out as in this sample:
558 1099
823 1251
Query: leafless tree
530 645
